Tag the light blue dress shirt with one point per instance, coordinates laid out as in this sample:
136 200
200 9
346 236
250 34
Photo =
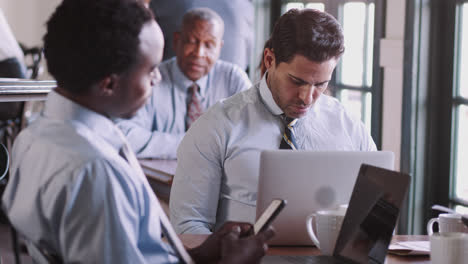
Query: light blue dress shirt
72 193
218 160
159 126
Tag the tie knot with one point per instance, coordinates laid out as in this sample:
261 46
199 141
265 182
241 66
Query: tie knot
289 121
193 88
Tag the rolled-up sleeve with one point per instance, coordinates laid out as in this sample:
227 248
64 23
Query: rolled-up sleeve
146 141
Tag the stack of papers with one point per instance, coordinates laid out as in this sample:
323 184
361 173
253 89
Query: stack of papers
159 170
406 248
160 174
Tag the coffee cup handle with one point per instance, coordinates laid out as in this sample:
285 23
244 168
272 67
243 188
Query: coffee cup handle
430 224
310 229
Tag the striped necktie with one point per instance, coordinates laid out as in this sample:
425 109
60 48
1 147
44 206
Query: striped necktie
194 106
166 226
289 140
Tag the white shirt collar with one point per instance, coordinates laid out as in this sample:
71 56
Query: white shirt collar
267 97
61 108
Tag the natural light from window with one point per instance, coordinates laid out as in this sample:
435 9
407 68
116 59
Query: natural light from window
353 102
370 44
298 5
463 70
461 170
358 31
460 180
318 6
356 64
461 209
293 5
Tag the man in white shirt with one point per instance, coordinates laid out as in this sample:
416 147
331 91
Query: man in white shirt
76 190
217 174
191 82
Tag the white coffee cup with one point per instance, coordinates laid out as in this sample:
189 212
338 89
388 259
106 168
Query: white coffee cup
323 228
447 223
343 208
449 248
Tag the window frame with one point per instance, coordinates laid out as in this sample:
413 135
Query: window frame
456 101
429 108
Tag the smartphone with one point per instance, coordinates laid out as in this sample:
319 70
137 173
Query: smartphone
269 215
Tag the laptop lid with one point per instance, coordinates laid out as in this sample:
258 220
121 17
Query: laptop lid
309 181
371 216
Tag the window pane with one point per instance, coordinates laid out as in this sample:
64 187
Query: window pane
292 5
368 111
461 209
463 67
461 147
358 104
370 44
318 6
352 67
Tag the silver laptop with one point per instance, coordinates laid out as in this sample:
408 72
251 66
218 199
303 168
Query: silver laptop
309 181
369 221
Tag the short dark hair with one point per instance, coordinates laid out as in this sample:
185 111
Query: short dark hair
87 40
311 33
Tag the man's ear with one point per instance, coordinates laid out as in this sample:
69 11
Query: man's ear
108 85
175 40
268 57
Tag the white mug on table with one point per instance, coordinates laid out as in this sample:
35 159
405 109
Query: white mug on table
449 248
324 226
447 223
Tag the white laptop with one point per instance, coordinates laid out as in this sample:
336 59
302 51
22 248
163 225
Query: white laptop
309 181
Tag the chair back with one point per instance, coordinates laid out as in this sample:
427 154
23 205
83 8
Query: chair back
4 161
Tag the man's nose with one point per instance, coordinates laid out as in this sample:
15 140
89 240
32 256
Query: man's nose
306 94
200 50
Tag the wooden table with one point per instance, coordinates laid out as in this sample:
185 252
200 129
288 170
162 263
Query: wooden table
191 241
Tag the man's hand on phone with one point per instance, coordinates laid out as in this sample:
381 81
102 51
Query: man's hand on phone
247 249
233 243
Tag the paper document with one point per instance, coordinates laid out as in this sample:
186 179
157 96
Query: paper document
409 248
159 170
166 166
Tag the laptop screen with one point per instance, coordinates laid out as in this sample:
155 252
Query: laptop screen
310 181
372 214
